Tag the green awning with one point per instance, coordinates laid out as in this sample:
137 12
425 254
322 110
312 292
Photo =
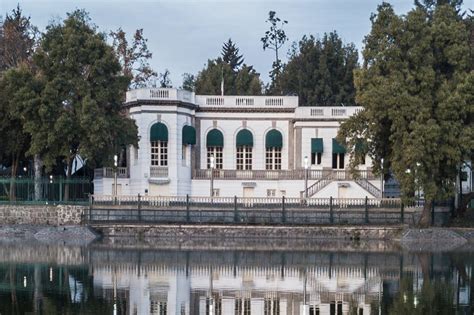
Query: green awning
215 138
337 148
317 145
273 139
189 135
159 132
244 137
361 146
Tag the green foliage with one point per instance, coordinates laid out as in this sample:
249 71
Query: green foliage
274 39
80 108
416 87
246 81
189 82
230 55
320 72
17 89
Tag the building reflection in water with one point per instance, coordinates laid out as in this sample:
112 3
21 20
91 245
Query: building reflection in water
331 288
136 282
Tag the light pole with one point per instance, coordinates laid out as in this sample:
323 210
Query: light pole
381 177
212 176
115 174
305 177
418 164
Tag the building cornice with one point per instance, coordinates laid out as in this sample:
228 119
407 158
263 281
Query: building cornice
160 103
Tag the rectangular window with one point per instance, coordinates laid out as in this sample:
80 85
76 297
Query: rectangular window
283 192
363 160
159 153
271 192
218 157
341 160
216 192
334 160
338 160
244 158
316 158
273 159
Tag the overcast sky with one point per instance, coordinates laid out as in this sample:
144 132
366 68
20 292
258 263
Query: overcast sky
183 34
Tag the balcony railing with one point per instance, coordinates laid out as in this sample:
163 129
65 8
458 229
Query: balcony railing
247 101
158 171
160 94
280 174
305 112
108 172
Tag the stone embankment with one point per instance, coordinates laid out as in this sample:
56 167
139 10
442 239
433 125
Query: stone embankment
42 214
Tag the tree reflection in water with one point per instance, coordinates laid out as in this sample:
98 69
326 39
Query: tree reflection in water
104 281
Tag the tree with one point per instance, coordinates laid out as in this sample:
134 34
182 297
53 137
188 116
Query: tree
245 81
274 39
17 43
16 87
415 87
320 72
81 103
17 40
230 55
134 58
189 82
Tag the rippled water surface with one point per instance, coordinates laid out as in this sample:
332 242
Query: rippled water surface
100 279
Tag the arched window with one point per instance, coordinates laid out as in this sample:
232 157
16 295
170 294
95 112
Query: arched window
244 144
215 145
273 145
159 144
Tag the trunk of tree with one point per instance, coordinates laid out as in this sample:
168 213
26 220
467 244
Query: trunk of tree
38 165
425 219
38 291
12 277
68 178
15 161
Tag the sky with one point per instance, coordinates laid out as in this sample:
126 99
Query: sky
184 34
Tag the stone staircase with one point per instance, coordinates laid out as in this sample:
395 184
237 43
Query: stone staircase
370 188
317 186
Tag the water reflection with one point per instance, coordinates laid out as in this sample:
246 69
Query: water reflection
99 280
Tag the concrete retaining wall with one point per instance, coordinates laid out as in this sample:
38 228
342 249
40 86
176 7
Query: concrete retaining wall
239 231
41 214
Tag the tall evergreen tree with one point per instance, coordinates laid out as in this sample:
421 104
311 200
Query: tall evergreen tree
81 103
416 87
230 55
320 71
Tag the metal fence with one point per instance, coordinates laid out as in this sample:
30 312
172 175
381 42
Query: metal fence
236 210
21 190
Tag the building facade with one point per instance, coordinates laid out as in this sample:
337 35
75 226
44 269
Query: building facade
244 146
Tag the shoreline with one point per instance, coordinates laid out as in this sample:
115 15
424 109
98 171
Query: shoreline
256 238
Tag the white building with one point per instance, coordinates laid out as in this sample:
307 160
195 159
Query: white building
258 145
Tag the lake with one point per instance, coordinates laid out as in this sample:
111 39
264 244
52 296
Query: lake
106 278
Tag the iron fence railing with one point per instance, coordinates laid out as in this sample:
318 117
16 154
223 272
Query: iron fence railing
21 190
238 210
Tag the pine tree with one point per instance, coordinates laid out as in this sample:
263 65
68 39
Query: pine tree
230 55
